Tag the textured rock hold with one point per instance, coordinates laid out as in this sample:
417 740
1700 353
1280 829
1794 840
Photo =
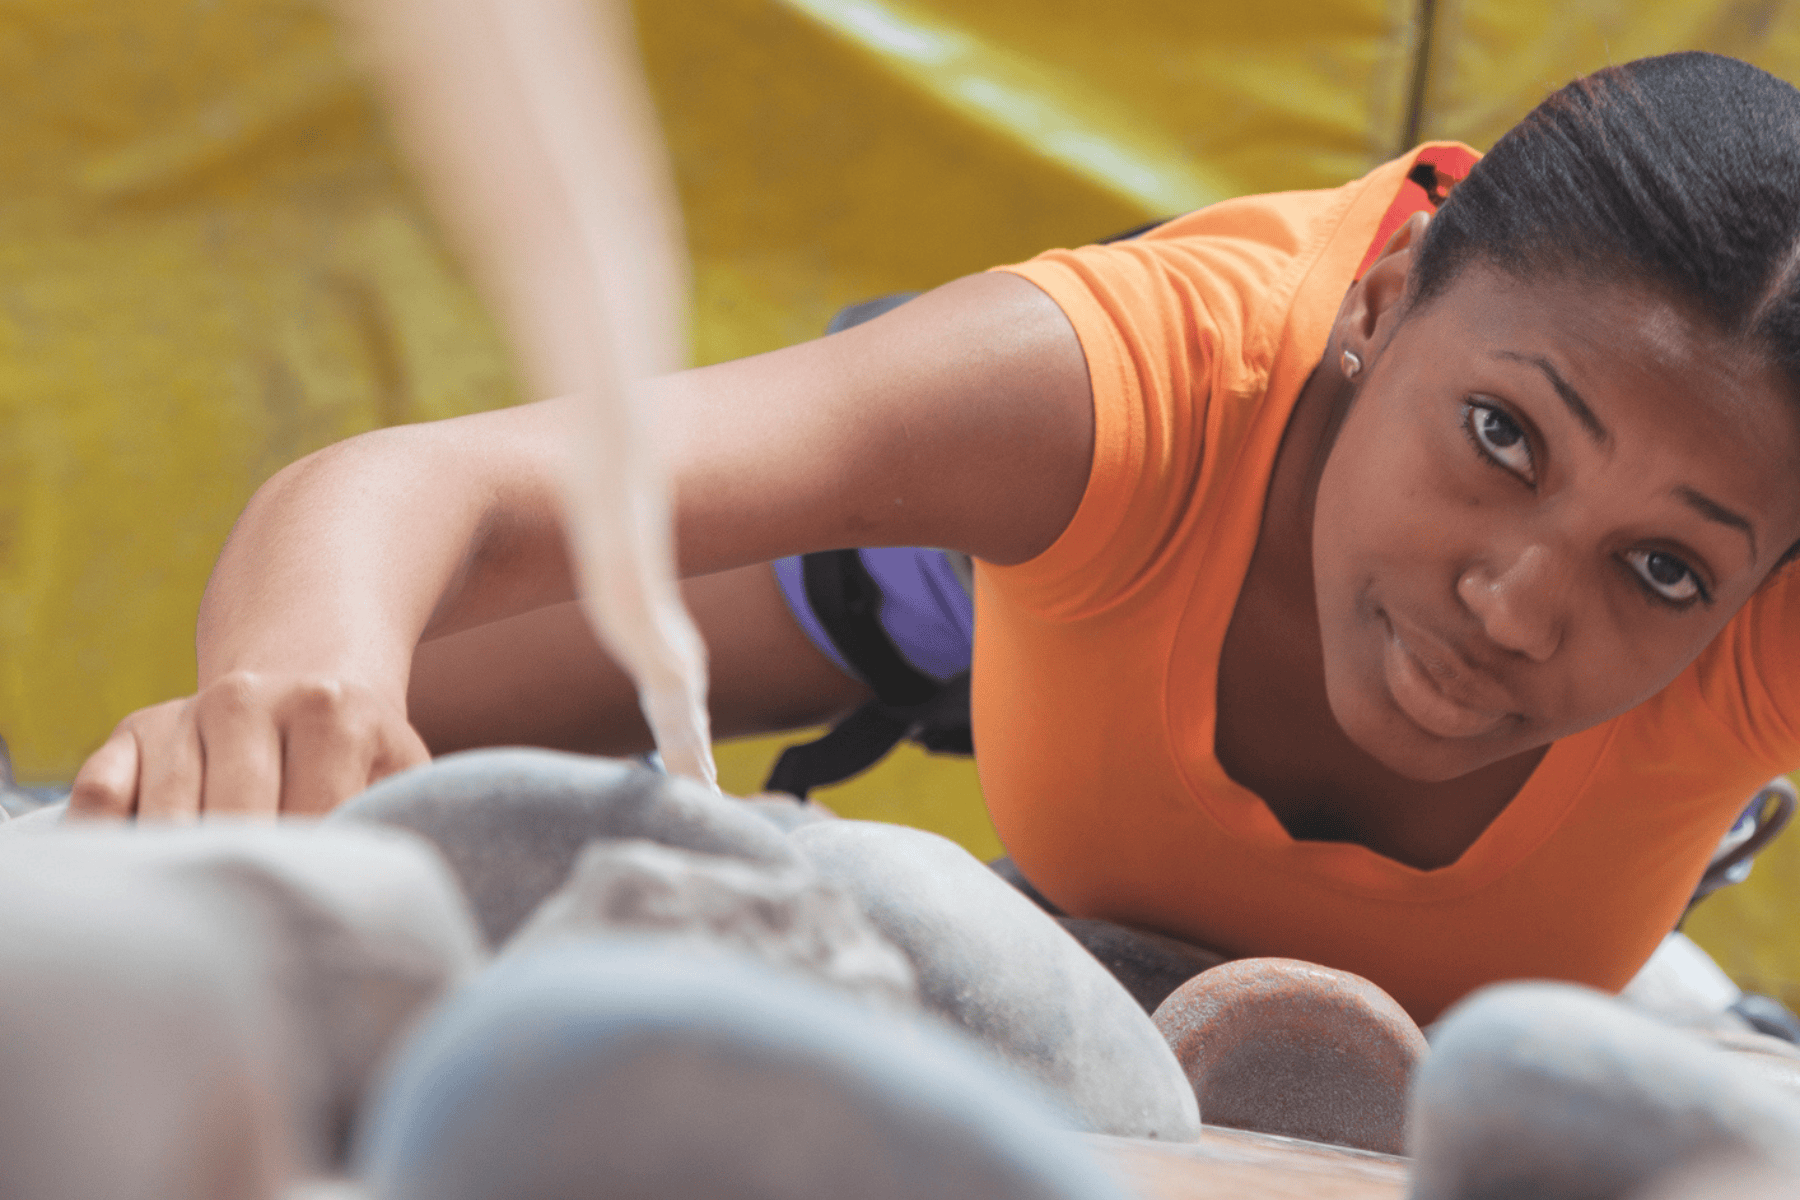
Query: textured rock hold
352 933
326 1189
997 967
787 813
705 1079
1555 1092
1149 965
21 802
136 1054
1682 985
1752 1042
36 821
784 916
1767 1015
1282 1046
511 822
1725 1178
1775 1059
1779 1069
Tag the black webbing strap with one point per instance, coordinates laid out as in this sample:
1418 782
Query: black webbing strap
847 601
940 724
908 703
853 744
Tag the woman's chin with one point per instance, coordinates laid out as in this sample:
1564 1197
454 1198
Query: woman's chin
1385 734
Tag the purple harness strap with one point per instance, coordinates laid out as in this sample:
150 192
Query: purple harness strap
924 609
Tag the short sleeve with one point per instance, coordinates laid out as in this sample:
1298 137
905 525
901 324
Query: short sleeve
1162 324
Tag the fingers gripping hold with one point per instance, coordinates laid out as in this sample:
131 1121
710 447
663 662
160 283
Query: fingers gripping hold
248 744
340 739
107 784
240 747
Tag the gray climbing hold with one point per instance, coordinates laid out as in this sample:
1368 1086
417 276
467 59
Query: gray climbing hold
1551 1091
511 822
788 813
784 916
1779 1066
1682 985
327 1189
352 934
137 1056
1725 1177
613 1068
38 820
993 964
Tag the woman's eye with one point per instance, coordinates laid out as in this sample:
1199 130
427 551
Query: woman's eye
1499 438
1666 575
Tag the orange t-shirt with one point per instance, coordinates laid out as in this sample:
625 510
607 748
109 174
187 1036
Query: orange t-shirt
1096 663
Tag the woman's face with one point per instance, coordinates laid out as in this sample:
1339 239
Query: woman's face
1543 503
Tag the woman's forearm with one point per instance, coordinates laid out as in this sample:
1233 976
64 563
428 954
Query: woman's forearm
343 561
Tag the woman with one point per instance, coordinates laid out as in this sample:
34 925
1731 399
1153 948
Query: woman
1393 592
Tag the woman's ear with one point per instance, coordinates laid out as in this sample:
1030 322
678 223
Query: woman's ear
1407 236
1381 292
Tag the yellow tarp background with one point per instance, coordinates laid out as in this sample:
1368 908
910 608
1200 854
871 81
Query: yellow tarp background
211 262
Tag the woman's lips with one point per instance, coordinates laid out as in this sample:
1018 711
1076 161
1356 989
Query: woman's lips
1436 701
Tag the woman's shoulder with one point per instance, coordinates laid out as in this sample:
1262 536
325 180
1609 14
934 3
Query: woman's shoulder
1196 335
1217 266
1240 271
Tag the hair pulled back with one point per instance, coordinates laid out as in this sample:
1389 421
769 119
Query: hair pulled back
1681 173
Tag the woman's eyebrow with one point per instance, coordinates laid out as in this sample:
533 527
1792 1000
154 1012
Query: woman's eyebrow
1712 510
1578 407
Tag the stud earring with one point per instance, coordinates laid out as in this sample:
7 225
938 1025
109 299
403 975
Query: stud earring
1352 365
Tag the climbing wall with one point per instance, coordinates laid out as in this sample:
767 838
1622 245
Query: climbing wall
211 263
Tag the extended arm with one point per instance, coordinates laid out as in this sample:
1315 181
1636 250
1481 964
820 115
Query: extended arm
961 419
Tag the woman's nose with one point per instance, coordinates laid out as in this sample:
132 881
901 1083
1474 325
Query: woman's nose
1521 602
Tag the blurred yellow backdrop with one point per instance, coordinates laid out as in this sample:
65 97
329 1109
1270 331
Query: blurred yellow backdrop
211 261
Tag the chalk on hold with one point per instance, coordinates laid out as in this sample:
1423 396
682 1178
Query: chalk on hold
786 917
1277 1045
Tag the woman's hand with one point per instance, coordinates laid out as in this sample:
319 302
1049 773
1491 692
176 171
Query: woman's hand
249 744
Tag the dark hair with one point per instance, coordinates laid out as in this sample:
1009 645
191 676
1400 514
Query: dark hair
1682 172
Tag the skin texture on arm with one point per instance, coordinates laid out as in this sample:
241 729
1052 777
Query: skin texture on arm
800 457
962 419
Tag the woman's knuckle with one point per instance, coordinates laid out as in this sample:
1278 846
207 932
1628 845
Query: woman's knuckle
319 695
232 695
319 705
